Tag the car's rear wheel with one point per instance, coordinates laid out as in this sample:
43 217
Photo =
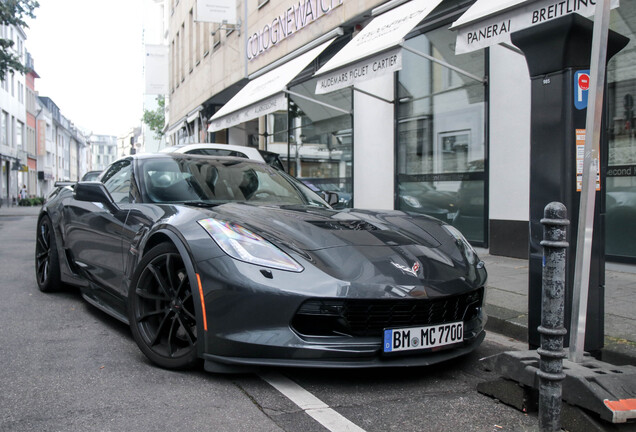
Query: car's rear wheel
47 263
161 309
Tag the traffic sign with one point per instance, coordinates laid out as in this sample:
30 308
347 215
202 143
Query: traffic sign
581 88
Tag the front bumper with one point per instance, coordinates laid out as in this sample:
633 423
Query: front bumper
250 313
374 361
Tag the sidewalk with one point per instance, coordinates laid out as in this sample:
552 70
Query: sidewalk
507 304
19 210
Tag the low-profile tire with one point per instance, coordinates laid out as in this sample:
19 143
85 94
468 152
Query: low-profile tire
47 263
161 309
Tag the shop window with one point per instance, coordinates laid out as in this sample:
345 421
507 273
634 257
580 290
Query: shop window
620 186
441 136
314 139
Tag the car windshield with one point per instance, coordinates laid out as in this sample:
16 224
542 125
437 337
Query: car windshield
204 180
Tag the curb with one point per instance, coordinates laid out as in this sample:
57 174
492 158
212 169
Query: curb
514 325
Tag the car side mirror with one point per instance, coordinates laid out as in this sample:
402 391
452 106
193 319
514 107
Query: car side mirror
94 191
332 198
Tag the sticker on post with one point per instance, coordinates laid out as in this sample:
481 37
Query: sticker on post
418 338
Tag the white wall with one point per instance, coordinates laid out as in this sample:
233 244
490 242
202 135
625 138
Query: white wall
237 136
374 147
509 135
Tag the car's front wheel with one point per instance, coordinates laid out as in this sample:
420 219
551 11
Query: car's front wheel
161 309
47 264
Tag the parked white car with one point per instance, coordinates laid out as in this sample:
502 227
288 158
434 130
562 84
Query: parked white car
216 149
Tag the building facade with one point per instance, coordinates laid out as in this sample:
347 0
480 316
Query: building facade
103 151
38 145
46 149
31 126
130 143
408 124
13 145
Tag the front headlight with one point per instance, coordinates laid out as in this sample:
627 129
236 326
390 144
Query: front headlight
463 244
244 245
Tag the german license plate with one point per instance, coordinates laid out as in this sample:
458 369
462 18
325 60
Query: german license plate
417 338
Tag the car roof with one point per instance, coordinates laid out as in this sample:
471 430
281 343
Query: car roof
178 156
248 152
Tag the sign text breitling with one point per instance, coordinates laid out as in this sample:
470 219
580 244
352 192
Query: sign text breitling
289 22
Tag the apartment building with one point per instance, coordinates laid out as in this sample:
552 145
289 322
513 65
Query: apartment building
103 150
13 120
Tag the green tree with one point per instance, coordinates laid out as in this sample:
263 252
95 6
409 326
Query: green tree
156 119
13 12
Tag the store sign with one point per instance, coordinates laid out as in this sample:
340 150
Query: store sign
216 11
375 50
156 67
290 21
621 171
476 30
379 65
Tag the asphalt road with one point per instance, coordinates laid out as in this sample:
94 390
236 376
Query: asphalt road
66 366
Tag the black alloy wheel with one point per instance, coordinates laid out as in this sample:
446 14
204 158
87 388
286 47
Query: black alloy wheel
47 264
161 309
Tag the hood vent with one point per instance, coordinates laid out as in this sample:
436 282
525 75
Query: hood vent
353 225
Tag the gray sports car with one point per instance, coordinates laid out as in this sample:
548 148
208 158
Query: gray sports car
236 263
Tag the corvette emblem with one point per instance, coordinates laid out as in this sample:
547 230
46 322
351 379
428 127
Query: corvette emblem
412 271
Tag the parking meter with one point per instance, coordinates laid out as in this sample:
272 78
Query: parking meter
558 56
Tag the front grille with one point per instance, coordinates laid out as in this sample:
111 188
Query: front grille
368 317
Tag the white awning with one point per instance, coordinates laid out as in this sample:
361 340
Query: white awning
375 50
490 22
194 114
176 126
264 94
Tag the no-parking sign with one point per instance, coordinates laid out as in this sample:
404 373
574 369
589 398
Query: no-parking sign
581 88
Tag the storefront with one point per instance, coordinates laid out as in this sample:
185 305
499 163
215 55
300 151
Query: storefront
406 123
347 122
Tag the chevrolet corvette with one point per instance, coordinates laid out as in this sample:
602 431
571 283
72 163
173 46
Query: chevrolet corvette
234 263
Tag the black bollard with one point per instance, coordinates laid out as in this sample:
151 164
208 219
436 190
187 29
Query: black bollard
552 329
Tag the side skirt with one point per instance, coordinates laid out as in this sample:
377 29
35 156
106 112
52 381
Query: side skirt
105 306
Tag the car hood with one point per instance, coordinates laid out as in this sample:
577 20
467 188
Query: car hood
312 229
365 246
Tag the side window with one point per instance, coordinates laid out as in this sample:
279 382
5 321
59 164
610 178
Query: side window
117 180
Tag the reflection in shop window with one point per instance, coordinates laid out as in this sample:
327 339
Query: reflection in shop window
314 140
441 144
453 148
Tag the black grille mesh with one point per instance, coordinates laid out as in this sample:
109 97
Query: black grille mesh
368 317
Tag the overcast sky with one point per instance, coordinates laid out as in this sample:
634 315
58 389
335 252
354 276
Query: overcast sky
89 56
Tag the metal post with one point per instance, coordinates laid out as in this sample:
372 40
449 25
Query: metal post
246 36
581 282
552 329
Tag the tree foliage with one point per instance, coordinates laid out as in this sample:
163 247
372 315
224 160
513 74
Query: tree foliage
14 12
156 119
